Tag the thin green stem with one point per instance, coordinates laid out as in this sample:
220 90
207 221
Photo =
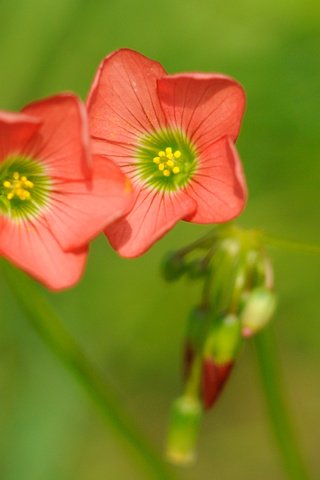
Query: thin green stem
291 246
193 384
46 322
202 242
280 420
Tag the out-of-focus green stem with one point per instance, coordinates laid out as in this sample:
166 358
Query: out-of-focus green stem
280 420
45 321
291 246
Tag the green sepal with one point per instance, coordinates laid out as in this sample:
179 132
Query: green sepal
223 340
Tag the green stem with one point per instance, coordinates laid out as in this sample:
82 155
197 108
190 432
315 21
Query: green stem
291 246
45 321
278 411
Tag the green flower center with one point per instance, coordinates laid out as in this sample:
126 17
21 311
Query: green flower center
24 187
166 160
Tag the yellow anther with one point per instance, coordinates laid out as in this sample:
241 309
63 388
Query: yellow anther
23 194
18 187
165 160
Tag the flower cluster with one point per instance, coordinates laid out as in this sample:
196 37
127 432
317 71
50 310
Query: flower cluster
237 302
149 149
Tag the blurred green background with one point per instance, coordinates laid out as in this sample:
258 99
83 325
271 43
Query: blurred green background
129 321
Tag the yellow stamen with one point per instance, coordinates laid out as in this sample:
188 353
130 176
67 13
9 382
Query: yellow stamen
18 187
166 161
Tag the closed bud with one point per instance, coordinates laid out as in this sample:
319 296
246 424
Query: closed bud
198 268
214 377
220 350
259 306
223 340
183 430
173 266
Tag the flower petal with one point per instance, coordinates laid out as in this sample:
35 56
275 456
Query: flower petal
205 106
218 186
62 142
16 130
81 210
123 103
31 246
153 214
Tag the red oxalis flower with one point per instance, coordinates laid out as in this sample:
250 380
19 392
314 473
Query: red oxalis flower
52 200
173 136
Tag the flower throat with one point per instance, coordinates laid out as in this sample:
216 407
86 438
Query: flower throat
24 187
166 160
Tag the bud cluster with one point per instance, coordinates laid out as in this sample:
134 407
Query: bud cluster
237 302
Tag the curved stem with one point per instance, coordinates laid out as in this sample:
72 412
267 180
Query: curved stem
45 321
279 416
291 246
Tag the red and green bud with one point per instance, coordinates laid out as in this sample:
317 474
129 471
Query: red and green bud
214 377
184 425
220 350
259 306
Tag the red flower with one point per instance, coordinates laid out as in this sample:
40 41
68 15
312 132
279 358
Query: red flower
173 135
52 202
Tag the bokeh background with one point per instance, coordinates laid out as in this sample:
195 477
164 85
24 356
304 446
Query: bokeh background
129 321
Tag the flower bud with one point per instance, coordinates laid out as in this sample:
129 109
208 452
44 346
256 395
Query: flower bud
223 340
220 350
214 377
197 268
184 424
173 266
225 268
257 311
